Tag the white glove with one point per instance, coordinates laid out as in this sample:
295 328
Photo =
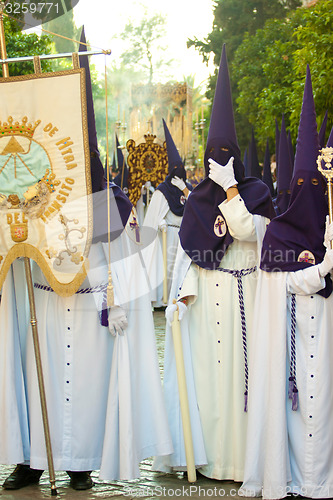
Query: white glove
328 233
162 225
170 310
117 320
145 187
223 175
327 264
178 182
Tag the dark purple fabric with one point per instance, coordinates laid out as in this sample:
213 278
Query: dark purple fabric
255 170
277 140
174 196
322 131
301 228
121 179
197 236
84 63
284 172
267 173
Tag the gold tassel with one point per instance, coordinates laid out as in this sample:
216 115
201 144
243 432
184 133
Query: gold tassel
109 293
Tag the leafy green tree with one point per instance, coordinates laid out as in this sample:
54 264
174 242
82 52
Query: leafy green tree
19 44
233 21
270 69
144 51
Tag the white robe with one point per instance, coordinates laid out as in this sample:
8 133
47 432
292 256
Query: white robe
104 395
214 357
290 451
158 210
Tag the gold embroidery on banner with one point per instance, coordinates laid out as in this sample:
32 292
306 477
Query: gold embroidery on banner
11 201
18 228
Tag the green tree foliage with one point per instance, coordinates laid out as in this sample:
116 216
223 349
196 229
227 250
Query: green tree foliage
235 20
19 44
144 51
270 69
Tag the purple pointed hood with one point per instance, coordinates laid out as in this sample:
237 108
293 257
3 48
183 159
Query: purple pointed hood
255 170
277 140
322 131
121 178
330 140
200 233
267 173
96 167
173 195
284 172
294 240
291 150
120 206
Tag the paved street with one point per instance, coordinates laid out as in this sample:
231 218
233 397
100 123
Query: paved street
151 485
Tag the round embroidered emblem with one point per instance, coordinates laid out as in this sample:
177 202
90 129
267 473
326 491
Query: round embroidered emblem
220 227
306 256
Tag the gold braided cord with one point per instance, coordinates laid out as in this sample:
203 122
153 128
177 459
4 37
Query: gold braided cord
55 34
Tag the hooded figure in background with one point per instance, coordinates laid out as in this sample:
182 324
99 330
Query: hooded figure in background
164 214
267 172
284 172
290 428
94 358
214 282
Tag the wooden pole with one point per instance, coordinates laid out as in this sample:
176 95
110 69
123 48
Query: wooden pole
183 398
33 321
165 266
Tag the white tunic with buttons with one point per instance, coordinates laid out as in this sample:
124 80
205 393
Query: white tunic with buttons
290 451
212 332
105 401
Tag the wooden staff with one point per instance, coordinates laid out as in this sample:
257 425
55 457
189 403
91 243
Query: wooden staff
326 156
165 266
183 397
33 319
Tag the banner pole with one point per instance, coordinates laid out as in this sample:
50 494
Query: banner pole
33 321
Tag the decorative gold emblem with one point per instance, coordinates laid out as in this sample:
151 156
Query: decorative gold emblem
16 128
147 161
306 256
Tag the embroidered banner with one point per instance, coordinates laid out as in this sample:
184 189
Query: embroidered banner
45 212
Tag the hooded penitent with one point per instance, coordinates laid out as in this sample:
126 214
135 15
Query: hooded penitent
173 195
277 140
291 149
199 235
267 173
322 131
96 167
294 240
121 178
255 170
284 172
120 206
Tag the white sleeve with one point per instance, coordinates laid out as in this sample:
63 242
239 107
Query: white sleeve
305 281
240 221
156 210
